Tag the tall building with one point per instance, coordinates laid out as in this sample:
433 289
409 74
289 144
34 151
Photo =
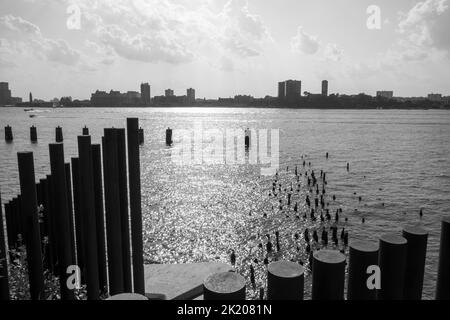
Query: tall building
325 88
190 93
385 94
5 93
281 90
169 93
145 94
293 90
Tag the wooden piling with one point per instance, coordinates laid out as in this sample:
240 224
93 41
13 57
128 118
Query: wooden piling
77 214
328 275
33 134
99 216
285 281
48 259
224 286
392 263
58 134
61 218
112 212
362 255
124 224
70 207
141 136
134 176
8 134
443 279
9 226
88 214
4 284
53 233
169 137
416 252
85 131
32 236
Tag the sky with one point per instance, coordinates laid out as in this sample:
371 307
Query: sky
222 48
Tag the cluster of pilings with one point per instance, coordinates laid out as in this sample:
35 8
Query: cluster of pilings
393 269
80 215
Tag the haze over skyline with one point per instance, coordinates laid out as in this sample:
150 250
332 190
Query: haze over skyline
223 47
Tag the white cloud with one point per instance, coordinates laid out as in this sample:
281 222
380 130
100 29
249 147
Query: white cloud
304 42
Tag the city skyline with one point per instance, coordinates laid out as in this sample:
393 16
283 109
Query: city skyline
223 47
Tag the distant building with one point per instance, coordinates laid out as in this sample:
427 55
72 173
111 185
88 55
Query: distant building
325 88
190 96
243 99
145 94
281 90
5 93
293 90
385 94
169 93
435 97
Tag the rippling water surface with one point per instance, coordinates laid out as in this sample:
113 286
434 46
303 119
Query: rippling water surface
399 163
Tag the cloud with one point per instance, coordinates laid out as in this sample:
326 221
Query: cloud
333 52
26 35
305 43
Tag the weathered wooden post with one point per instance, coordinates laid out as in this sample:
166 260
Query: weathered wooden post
134 176
33 134
443 280
88 214
416 253
32 235
71 217
61 218
285 281
79 235
224 286
51 222
48 259
58 134
362 255
9 225
112 212
99 215
123 193
141 136
4 284
8 134
392 263
85 131
328 273
169 137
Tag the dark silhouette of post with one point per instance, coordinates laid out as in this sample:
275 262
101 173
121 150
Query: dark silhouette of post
9 225
362 255
443 280
285 281
224 286
141 136
33 134
58 134
134 176
392 263
30 214
169 137
328 275
50 225
48 259
99 215
85 131
8 134
123 191
4 284
78 216
70 206
88 214
417 238
112 211
62 224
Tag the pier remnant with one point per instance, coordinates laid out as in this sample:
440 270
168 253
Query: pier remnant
8 134
4 284
85 131
443 280
417 238
224 286
392 263
285 281
362 255
58 134
328 272
169 137
33 134
141 136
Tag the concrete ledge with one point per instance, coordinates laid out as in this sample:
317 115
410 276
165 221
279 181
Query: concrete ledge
179 281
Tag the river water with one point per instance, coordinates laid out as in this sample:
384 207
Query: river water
199 211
